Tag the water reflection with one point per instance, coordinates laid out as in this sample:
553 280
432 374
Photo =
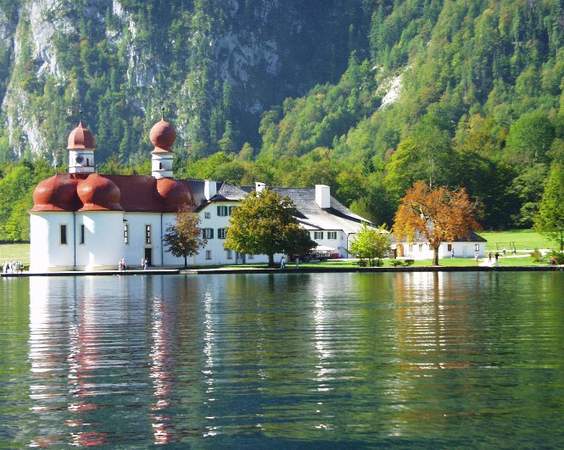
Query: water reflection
418 359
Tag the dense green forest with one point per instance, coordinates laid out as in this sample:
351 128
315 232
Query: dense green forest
367 96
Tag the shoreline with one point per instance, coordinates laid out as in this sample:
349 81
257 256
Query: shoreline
288 270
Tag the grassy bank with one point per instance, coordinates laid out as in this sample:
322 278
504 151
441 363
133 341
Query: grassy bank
522 239
446 262
14 252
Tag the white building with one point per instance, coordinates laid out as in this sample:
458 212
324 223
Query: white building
461 248
83 220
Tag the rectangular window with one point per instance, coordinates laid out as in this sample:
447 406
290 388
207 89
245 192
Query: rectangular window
318 235
207 215
229 254
82 234
208 255
221 233
126 233
63 230
449 247
420 247
148 234
207 233
222 211
331 235
476 247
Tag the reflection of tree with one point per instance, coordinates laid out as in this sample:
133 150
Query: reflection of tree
435 345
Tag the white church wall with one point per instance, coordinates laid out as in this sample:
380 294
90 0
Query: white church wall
47 252
102 247
134 250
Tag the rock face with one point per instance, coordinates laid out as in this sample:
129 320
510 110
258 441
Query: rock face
214 65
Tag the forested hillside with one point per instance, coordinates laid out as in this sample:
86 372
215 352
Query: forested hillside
365 95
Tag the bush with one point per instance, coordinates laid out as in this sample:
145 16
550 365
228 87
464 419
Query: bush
556 258
536 255
396 262
408 262
362 263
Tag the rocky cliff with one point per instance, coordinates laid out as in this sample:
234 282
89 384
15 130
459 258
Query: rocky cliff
214 66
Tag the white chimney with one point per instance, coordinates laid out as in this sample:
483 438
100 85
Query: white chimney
210 189
323 195
259 187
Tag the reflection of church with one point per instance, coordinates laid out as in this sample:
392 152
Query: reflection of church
83 220
93 364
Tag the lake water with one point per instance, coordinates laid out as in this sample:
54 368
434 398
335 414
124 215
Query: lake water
437 360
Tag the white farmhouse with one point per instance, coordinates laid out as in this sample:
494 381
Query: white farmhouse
419 248
83 220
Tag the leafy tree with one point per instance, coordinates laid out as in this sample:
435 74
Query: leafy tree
436 214
299 243
371 243
550 218
264 224
184 238
530 137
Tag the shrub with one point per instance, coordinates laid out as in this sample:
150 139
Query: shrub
408 262
396 262
536 255
556 257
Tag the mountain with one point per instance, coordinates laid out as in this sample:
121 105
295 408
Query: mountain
367 96
213 65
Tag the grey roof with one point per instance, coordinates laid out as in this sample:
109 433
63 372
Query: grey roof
304 199
230 192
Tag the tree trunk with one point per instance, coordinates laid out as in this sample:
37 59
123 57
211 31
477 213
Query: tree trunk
270 260
561 241
436 256
185 262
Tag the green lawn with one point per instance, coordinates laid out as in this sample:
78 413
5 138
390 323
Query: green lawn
14 252
523 239
447 262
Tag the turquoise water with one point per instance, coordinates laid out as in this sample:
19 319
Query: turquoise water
435 360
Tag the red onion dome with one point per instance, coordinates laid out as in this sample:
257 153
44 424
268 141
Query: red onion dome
175 194
81 138
56 193
162 136
98 193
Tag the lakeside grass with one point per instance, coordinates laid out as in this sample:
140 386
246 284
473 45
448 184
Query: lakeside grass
445 262
523 240
14 252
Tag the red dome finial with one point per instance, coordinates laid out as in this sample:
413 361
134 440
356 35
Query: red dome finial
162 136
81 138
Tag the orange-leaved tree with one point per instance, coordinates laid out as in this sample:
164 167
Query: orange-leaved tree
438 215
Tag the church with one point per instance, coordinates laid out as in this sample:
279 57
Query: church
83 220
